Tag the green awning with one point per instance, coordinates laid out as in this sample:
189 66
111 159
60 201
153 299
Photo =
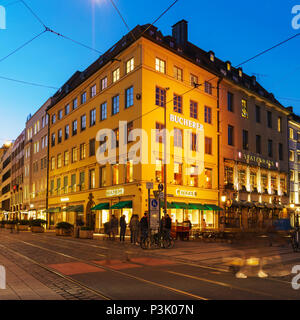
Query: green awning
197 206
74 209
101 206
213 207
180 205
53 210
169 205
122 205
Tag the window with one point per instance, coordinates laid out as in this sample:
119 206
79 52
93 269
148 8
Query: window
82 151
228 178
67 109
74 155
82 181
52 163
51 187
66 158
75 103
103 83
291 133
160 97
178 73
73 182
159 135
92 117
194 142
177 102
74 127
103 108
280 151
115 174
103 177
115 138
257 114
208 145
193 109
178 137
177 173
67 132
130 65
193 178
60 114
58 185
244 109
230 106
245 140
59 161
269 119
93 91
292 175
53 119
115 104
129 171
258 144
291 155
230 135
116 75
207 115
92 147
298 158
129 129
92 179
270 148
208 87
194 80
279 124
66 184
83 98
59 136
208 179
159 173
53 140
83 122
160 65
129 97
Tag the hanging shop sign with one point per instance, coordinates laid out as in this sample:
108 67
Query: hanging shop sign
185 122
186 193
114 192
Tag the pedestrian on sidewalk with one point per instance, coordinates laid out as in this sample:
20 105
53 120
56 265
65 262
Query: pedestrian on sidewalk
168 226
123 226
134 228
114 226
144 227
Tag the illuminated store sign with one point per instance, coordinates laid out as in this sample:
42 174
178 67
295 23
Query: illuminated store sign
115 192
186 193
186 122
65 199
256 159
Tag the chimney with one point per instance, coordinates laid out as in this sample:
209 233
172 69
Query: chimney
180 32
291 109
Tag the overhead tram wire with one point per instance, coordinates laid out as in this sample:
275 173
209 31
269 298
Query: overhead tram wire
22 46
112 2
34 14
28 83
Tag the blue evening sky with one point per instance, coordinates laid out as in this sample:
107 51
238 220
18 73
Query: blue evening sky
235 30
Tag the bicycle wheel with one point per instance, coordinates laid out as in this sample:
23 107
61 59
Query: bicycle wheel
168 243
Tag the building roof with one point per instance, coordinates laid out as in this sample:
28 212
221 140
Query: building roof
188 51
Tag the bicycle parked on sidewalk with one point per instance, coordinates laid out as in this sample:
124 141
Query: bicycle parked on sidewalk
157 240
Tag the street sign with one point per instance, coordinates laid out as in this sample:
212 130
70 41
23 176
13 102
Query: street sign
156 194
161 195
160 187
154 217
149 185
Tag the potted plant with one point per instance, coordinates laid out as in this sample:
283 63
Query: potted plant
23 225
64 229
86 233
37 225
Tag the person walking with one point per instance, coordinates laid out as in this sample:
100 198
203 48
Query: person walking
168 226
114 226
123 226
144 226
134 228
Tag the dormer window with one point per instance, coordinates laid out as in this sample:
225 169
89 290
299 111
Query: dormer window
211 56
171 44
240 73
228 66
253 80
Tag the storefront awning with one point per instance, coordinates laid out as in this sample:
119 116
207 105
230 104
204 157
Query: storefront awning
74 209
169 205
122 205
180 205
197 206
53 210
213 207
101 206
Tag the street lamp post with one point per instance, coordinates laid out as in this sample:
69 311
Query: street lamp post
165 153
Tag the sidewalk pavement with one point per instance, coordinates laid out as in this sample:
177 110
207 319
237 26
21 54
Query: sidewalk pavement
22 286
